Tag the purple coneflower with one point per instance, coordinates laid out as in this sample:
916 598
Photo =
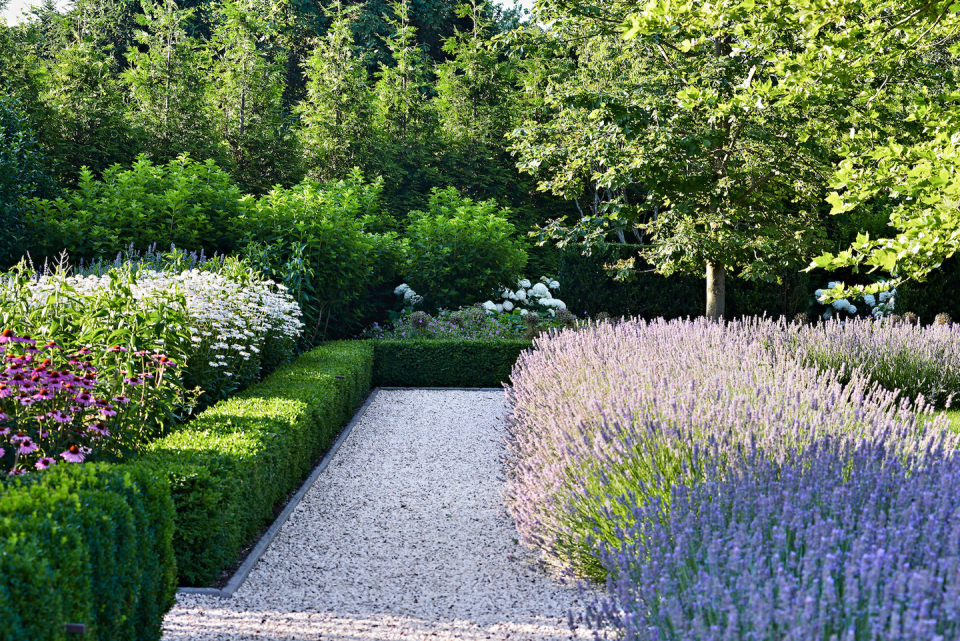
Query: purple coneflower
27 446
45 394
60 416
99 428
74 454
45 462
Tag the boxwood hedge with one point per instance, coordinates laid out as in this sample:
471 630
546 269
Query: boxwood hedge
236 461
445 362
87 544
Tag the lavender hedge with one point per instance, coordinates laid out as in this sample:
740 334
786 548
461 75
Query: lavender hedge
844 542
628 410
919 361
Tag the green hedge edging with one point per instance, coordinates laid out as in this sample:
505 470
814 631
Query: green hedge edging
87 544
230 466
444 362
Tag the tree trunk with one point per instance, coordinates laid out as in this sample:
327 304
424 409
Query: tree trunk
716 291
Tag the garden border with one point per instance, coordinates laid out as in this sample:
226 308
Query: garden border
251 561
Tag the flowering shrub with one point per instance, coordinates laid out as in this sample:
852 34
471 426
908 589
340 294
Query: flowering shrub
56 408
623 410
877 306
919 361
842 542
537 297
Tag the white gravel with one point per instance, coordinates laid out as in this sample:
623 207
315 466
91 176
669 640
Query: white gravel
404 536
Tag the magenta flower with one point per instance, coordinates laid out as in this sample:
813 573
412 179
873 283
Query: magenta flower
3 416
26 401
45 394
115 349
99 428
4 431
2 452
74 454
7 336
52 345
108 412
132 380
28 446
123 400
60 416
45 462
19 437
16 472
84 399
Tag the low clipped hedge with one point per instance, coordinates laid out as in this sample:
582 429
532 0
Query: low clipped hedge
87 544
236 461
444 362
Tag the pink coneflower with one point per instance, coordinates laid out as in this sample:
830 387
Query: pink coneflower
123 400
132 380
7 336
44 433
45 462
108 412
19 437
5 390
99 428
116 348
2 452
45 394
74 454
3 416
4 431
52 345
60 416
27 446
142 352
26 401
84 399
16 472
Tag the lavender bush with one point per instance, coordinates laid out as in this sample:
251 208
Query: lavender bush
843 542
626 410
919 361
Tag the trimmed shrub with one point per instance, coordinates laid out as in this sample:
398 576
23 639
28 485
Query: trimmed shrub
587 289
236 461
445 363
90 544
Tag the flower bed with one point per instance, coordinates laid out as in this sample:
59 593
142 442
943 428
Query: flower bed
842 543
919 361
221 325
608 417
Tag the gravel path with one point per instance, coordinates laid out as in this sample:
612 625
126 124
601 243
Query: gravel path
404 536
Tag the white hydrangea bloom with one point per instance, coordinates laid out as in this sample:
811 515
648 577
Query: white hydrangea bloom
507 306
520 295
490 306
884 296
540 291
852 309
523 283
890 304
870 300
401 289
524 312
555 284
840 304
877 312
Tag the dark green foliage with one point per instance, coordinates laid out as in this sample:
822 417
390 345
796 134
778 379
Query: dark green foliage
314 239
187 203
445 363
939 292
230 466
23 174
587 289
93 545
459 249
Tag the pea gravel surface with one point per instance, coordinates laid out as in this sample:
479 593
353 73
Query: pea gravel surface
404 536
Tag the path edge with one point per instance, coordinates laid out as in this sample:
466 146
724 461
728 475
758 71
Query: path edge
254 556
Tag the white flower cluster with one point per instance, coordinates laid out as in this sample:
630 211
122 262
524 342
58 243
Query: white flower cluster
410 298
528 297
878 309
229 321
